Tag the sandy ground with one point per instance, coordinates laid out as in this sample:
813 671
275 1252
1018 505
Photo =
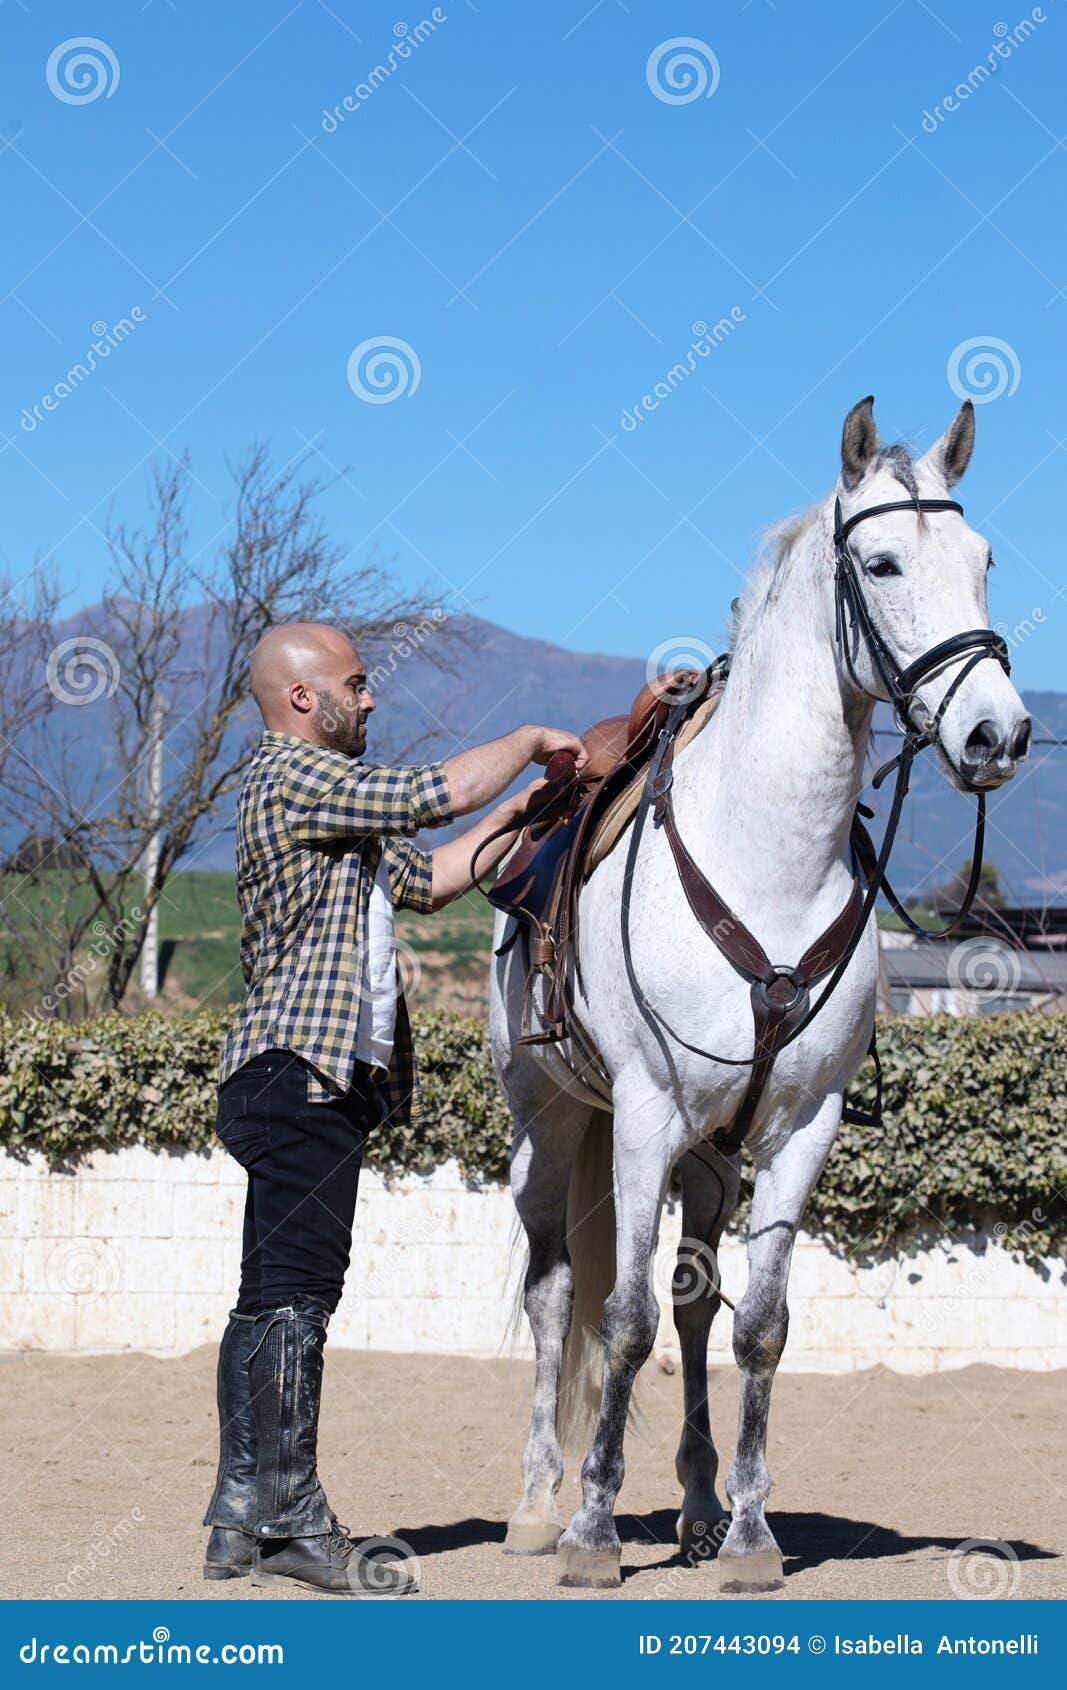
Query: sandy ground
108 1463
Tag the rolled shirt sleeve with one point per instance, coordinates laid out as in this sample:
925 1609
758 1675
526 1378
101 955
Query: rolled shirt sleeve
410 875
328 797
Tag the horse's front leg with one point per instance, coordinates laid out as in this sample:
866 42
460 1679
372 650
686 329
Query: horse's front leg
589 1549
750 1559
710 1185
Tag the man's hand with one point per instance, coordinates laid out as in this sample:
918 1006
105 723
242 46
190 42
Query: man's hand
551 740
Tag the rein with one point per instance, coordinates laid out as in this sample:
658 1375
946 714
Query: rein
780 993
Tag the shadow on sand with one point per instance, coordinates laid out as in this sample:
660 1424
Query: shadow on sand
807 1540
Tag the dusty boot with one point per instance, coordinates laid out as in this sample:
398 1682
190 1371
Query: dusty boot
232 1510
331 1563
298 1538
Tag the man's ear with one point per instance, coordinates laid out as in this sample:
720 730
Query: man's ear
859 443
949 456
301 698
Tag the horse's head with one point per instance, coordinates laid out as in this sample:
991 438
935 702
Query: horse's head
921 577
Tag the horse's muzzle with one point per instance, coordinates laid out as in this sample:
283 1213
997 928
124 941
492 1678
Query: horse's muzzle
993 751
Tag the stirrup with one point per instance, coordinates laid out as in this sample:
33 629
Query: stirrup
543 957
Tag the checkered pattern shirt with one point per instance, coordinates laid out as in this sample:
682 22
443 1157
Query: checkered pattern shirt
312 826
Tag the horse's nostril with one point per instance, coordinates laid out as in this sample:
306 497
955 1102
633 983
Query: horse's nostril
983 742
1020 743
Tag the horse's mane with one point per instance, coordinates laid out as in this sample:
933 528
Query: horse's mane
778 541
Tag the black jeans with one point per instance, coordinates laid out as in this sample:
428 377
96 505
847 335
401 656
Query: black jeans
303 1161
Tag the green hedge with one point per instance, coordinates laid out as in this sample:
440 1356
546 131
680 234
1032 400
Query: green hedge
974 1111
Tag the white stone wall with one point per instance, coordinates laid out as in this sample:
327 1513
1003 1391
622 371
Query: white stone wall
140 1250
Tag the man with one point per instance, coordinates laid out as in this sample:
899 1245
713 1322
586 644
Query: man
319 1053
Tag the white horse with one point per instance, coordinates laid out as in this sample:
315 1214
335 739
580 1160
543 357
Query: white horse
764 798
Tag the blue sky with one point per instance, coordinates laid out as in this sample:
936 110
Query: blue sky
515 203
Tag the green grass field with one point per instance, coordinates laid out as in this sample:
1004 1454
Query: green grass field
199 946
199 932
444 958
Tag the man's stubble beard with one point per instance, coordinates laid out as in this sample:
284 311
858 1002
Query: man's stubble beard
339 729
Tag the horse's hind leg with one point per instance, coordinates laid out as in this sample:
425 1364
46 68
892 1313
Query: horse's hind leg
750 1559
710 1185
542 1158
589 1549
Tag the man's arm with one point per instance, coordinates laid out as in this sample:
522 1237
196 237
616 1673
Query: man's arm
328 797
326 800
451 862
478 776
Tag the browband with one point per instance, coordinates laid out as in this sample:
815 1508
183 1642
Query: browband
842 530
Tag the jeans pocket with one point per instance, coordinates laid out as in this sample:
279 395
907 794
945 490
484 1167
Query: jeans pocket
242 1121
245 1137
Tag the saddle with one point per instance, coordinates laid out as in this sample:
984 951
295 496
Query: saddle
573 824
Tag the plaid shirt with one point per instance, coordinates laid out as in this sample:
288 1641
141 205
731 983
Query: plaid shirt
312 826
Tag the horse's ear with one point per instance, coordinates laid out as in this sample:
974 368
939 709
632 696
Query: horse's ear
949 456
859 442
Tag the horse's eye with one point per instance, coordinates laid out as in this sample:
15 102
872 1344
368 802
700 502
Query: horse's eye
882 567
990 562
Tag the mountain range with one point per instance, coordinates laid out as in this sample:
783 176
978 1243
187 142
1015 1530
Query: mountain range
494 679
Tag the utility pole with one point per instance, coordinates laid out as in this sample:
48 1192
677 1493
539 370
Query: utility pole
150 948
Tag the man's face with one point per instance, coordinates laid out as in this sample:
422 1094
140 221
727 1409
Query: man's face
343 703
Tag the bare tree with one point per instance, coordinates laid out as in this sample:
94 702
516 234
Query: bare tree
27 610
171 643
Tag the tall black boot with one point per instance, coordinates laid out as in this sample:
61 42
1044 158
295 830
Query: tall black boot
231 1513
298 1538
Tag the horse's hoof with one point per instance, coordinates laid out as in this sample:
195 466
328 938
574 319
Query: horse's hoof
748 1575
589 1569
532 1537
698 1540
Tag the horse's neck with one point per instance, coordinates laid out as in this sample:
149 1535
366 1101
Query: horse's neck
780 775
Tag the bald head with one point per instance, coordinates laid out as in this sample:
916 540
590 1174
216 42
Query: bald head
308 680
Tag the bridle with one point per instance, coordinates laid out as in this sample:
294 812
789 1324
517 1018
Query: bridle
852 608
781 994
853 617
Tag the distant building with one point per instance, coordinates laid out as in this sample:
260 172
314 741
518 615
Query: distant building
1000 959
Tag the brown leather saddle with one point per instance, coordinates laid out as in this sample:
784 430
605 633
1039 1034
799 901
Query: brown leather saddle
540 880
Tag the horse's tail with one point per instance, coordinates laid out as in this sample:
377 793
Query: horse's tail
591 1244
